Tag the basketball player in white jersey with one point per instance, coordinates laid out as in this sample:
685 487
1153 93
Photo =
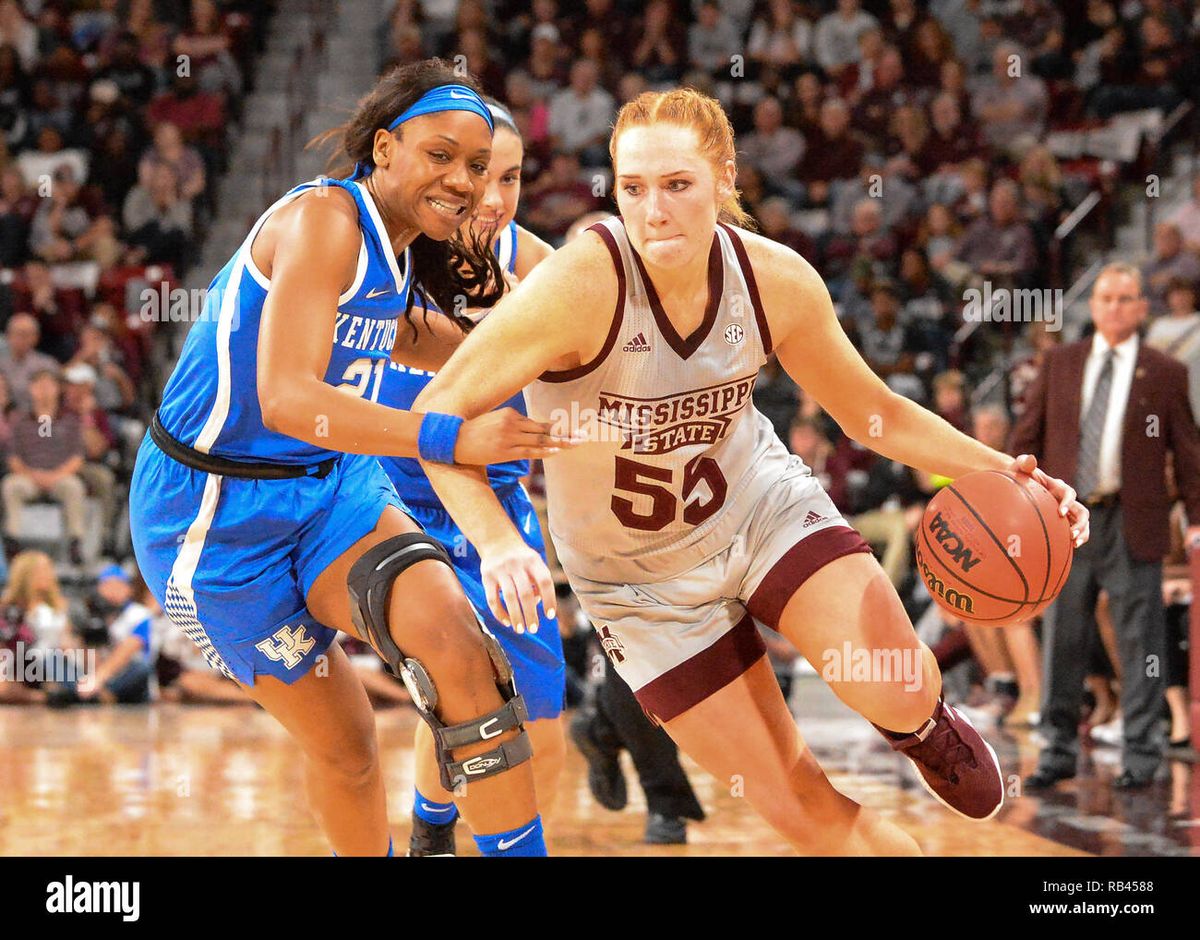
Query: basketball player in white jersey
685 518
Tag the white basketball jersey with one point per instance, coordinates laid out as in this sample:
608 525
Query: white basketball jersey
677 455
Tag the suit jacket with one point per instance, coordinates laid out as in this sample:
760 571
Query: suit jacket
1158 421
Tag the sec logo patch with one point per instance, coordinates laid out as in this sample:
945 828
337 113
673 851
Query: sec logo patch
734 334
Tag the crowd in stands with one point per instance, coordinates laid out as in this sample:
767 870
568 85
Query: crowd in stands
114 117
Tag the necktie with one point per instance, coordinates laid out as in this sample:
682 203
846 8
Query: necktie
1087 475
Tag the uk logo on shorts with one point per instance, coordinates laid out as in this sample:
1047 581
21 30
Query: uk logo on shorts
287 645
611 644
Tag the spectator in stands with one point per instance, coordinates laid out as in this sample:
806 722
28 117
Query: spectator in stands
1187 218
17 206
835 41
199 114
950 400
1177 333
950 140
774 221
1042 189
558 197
939 235
889 345
1001 246
18 32
1040 339
873 114
869 238
70 225
206 48
1170 261
1160 62
835 154
21 360
594 47
114 389
772 148
900 24
661 42
962 22
158 222
44 460
33 611
99 443
776 396
581 116
931 48
713 40
876 178
780 37
123 675
170 151
1010 105
808 441
59 311
803 109
135 80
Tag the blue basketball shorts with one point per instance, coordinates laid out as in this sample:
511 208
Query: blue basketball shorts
231 560
537 658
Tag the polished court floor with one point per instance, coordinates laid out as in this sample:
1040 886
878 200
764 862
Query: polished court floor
188 780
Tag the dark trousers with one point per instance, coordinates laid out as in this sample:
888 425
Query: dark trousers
621 722
1135 600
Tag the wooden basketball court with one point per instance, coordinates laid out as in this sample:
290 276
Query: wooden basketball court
169 779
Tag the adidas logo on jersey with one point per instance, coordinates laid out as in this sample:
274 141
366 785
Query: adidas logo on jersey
812 519
637 344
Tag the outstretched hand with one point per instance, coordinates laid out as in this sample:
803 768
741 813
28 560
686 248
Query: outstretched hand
1068 505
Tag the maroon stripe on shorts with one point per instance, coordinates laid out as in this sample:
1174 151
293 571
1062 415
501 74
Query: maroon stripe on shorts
709 671
801 562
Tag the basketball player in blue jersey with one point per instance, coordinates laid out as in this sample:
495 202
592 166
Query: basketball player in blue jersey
536 657
261 524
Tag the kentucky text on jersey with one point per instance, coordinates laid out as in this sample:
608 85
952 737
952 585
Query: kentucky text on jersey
211 401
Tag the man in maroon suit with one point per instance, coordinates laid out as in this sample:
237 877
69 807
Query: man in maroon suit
1106 412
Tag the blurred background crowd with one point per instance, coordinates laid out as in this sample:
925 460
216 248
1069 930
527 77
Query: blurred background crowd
911 150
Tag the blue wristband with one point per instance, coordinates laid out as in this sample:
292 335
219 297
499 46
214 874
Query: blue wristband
437 437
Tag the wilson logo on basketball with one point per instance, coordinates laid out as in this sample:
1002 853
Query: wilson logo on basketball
954 599
952 544
659 426
637 344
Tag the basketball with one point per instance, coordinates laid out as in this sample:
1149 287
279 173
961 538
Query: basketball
992 548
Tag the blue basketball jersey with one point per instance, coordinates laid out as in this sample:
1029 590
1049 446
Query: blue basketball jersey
400 388
211 401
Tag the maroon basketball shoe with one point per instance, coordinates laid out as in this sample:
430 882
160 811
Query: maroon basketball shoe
956 764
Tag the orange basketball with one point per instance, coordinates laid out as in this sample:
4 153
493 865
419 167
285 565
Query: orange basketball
992 548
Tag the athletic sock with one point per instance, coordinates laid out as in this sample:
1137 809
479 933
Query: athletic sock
524 841
432 811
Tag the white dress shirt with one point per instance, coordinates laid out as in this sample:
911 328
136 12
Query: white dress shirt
1109 476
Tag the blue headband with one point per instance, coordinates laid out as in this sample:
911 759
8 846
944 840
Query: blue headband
442 98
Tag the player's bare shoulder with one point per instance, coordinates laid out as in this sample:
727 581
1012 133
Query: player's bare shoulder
790 287
574 289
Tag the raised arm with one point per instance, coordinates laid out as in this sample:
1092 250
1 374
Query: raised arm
556 318
310 253
815 352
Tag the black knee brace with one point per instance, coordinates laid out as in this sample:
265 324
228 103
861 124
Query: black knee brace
370 580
